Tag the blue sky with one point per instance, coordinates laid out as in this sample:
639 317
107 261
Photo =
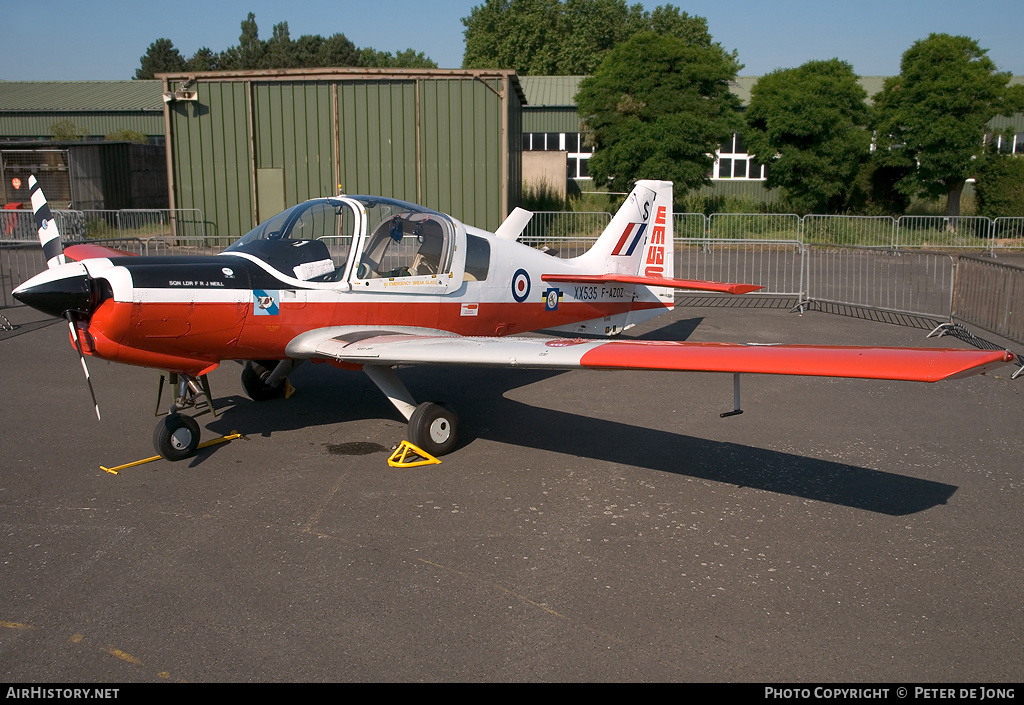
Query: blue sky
103 40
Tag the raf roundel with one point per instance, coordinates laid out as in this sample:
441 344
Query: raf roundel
520 285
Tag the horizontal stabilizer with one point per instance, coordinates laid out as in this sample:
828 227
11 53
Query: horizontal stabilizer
695 284
89 251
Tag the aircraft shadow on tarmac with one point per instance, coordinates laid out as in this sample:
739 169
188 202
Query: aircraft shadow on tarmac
328 396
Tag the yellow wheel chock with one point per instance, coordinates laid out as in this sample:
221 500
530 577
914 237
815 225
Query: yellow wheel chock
223 439
409 456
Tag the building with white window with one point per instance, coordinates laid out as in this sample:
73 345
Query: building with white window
551 123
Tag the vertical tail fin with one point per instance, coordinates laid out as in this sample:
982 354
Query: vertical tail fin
49 235
638 241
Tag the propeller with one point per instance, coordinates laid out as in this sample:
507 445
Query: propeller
49 235
65 290
81 357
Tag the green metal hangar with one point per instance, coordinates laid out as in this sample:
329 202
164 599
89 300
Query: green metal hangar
243 145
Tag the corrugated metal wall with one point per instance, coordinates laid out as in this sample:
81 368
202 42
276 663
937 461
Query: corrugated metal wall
252 144
377 128
211 157
91 123
293 132
548 119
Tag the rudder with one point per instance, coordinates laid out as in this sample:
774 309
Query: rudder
639 238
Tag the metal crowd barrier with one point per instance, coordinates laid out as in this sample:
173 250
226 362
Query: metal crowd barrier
990 295
776 265
19 225
19 261
547 226
900 281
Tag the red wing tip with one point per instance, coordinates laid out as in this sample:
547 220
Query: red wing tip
745 288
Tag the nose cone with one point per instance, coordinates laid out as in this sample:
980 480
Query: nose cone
58 290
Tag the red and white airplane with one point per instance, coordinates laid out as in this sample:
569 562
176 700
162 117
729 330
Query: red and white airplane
375 283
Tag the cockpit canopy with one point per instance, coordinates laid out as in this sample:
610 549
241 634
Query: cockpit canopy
373 243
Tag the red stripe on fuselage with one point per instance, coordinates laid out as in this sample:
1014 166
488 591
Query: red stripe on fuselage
209 331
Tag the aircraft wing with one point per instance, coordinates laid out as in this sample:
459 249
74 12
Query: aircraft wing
618 278
353 345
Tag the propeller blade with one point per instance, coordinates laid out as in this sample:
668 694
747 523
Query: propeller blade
85 368
49 235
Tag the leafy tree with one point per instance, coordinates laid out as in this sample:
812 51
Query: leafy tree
1000 186
280 51
127 135
565 37
875 189
512 34
408 59
658 107
160 57
203 60
810 125
66 131
931 118
338 50
251 49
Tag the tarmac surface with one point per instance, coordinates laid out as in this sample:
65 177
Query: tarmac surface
591 526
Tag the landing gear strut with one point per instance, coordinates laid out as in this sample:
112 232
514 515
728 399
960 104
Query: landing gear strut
176 435
432 427
263 380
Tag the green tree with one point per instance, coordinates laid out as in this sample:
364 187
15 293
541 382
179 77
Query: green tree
249 53
565 37
408 59
512 34
278 52
203 60
657 108
338 50
66 131
1000 186
251 49
307 50
127 135
281 52
160 57
931 118
809 124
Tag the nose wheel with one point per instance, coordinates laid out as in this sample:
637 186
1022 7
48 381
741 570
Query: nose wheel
176 437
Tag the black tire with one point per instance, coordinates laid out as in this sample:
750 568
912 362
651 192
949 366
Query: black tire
253 375
176 437
433 428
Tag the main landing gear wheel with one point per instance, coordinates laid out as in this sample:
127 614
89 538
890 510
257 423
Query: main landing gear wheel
253 375
433 428
176 437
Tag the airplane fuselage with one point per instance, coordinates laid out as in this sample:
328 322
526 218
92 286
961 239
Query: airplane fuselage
187 314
